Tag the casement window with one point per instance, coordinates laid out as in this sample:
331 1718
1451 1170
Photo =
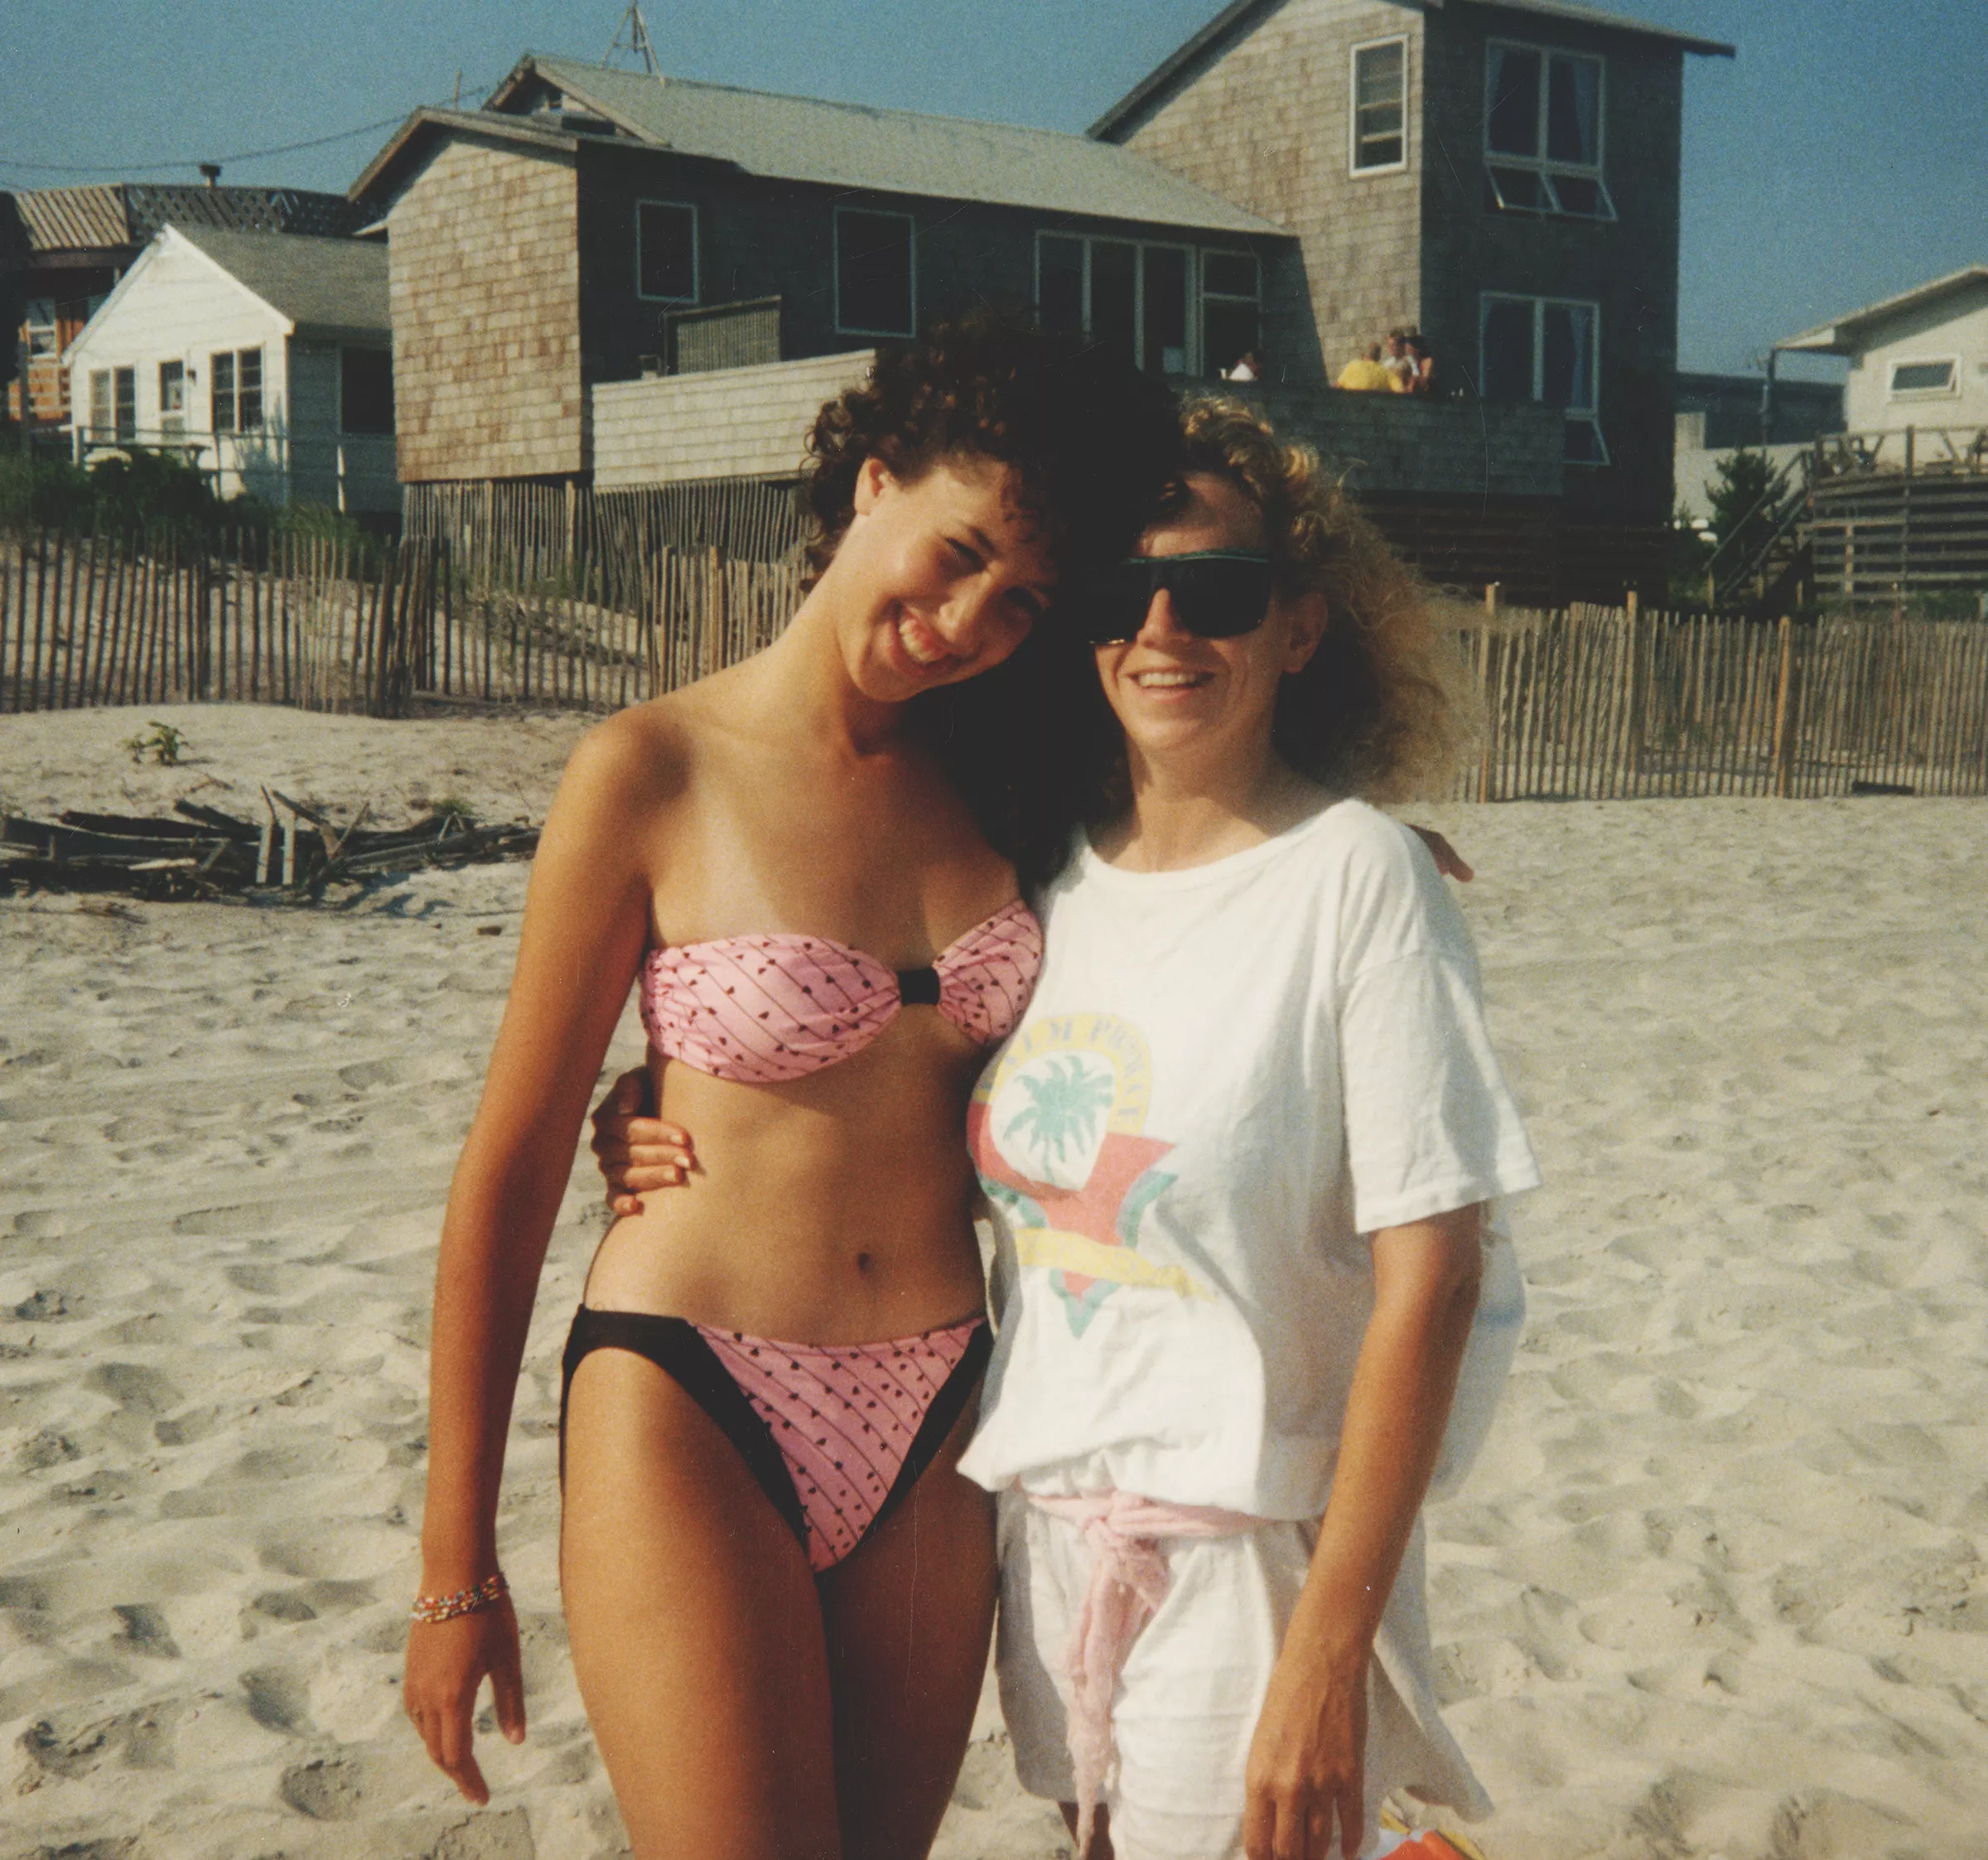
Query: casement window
876 292
1380 108
365 391
1543 133
1937 379
1134 298
666 251
235 390
1548 350
38 326
172 400
1232 309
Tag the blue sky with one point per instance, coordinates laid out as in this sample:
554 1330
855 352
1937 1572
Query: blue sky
1843 157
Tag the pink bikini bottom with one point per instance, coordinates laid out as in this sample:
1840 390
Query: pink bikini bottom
835 1435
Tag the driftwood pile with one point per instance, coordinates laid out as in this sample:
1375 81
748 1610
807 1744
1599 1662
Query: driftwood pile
206 853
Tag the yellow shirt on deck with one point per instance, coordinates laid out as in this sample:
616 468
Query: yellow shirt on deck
1364 376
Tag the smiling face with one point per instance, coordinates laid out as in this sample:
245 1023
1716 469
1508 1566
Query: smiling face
1180 698
938 578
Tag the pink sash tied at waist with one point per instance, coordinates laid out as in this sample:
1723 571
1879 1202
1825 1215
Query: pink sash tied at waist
1129 1581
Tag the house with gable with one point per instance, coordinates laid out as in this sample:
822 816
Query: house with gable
265 361
62 250
1917 360
617 279
591 227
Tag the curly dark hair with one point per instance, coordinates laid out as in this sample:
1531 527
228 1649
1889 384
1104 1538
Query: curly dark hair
1090 439
1090 443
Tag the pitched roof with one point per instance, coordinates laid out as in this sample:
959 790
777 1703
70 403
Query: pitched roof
328 285
1234 21
854 146
1840 337
119 213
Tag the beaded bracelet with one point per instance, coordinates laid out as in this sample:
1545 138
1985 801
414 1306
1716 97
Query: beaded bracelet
464 1601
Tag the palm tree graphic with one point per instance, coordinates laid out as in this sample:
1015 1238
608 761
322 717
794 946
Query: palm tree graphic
1065 1100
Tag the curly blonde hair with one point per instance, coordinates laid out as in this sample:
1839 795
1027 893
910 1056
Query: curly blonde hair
1385 708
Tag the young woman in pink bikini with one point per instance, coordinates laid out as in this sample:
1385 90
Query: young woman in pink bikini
1235 1154
778 1591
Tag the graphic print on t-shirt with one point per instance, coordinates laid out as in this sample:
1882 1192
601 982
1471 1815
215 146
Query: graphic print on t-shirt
1056 1130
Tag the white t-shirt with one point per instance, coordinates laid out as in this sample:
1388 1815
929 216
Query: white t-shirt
1228 1076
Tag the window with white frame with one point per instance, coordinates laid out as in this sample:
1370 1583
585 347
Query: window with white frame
875 290
1548 350
1926 380
1140 298
172 400
113 406
1380 108
1543 132
234 384
38 326
666 251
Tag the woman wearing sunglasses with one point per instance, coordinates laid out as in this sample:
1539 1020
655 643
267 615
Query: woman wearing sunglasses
778 1592
1235 1153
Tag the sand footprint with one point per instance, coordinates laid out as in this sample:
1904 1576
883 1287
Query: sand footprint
146 1629
140 1739
278 1698
326 1789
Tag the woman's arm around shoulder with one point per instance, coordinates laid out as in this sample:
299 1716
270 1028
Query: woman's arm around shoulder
586 920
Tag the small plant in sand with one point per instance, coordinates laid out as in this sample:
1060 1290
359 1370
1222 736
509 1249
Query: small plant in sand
160 741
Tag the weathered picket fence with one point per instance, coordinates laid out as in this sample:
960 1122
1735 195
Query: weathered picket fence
1583 703
1600 703
339 626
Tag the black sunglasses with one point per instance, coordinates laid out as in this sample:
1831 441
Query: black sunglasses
1217 594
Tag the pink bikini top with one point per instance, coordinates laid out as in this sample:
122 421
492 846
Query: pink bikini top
764 1009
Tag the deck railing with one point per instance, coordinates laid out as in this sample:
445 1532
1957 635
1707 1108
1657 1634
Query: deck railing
1899 514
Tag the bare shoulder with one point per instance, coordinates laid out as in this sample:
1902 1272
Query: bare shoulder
638 760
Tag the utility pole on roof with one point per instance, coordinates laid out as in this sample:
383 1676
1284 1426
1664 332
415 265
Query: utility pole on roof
632 36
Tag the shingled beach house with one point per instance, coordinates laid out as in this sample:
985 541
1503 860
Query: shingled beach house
607 279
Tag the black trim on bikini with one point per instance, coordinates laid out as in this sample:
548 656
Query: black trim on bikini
918 987
676 1347
947 1407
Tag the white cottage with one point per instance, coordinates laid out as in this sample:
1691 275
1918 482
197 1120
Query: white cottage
1919 359
266 360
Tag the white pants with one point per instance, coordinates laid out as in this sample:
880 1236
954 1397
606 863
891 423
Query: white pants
1192 1687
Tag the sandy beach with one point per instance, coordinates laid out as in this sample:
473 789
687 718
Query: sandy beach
1716 1589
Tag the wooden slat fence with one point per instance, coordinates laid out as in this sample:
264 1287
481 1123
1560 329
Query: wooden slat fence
92 620
688 613
514 533
1586 703
1604 703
